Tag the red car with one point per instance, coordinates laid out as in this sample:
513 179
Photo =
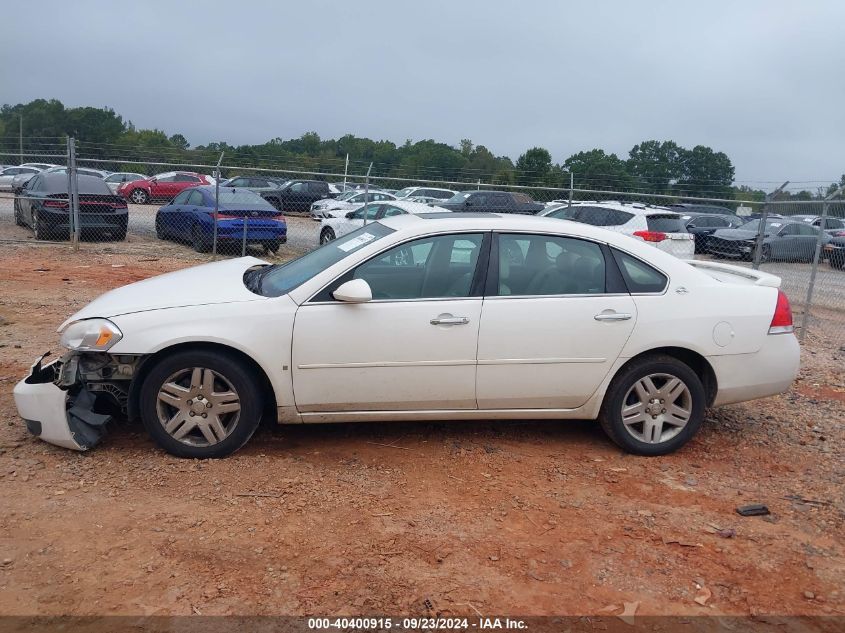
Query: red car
161 186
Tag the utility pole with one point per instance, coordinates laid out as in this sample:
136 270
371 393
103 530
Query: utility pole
20 138
345 172
571 187
761 231
805 321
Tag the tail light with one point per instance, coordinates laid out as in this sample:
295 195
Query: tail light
56 204
651 236
782 319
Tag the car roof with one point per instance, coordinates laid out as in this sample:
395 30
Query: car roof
414 207
634 208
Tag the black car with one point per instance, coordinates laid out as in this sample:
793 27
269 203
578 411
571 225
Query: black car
299 195
267 187
783 240
689 207
42 204
492 202
703 225
834 252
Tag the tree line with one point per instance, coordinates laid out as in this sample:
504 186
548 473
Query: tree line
657 167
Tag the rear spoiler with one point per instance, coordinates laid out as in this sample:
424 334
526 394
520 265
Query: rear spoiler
755 277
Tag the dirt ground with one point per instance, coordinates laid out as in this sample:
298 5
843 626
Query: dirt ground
463 518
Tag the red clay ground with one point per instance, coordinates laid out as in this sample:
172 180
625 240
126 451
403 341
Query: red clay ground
497 518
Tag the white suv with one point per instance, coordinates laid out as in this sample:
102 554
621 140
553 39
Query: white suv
659 226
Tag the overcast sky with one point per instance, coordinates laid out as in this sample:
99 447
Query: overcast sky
760 80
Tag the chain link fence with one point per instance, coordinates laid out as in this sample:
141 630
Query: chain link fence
133 205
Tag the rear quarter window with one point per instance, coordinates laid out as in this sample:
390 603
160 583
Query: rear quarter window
639 276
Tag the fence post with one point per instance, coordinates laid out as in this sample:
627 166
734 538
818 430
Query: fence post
73 193
366 192
571 187
216 206
805 320
761 229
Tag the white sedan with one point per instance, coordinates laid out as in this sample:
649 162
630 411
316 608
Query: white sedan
333 228
422 317
348 201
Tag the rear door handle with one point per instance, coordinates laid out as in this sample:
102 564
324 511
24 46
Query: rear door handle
449 320
612 316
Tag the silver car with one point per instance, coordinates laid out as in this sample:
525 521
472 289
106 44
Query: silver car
7 176
118 178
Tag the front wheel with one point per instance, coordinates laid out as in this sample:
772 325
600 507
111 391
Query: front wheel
139 196
327 235
765 253
654 406
201 404
837 261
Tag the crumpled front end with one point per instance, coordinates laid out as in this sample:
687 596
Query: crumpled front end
57 408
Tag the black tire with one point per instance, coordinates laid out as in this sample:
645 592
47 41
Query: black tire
271 247
327 235
139 196
200 242
610 416
18 215
837 262
765 254
43 230
160 233
241 379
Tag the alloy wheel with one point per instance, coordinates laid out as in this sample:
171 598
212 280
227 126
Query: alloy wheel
656 408
198 406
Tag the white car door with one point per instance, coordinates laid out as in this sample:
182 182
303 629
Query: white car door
353 219
556 317
412 347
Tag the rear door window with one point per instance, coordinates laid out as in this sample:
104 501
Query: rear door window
532 265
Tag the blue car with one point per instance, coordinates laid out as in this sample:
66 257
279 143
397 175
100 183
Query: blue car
189 217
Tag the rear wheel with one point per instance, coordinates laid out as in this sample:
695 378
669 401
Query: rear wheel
42 229
201 404
327 235
139 196
160 232
765 253
272 247
199 240
837 261
654 406
18 216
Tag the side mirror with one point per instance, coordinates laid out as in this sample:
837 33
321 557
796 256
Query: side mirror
354 291
350 215
468 203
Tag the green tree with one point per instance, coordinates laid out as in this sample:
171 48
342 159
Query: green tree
705 173
596 170
655 165
534 167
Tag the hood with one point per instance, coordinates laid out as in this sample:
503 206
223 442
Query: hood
207 284
736 234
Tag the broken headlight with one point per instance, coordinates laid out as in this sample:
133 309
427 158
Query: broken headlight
90 335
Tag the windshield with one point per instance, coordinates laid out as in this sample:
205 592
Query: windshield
404 192
459 198
346 195
243 196
279 280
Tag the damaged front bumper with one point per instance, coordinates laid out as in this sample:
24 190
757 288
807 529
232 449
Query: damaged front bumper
58 413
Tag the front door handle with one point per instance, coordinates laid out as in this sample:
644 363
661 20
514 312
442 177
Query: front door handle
448 319
612 316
